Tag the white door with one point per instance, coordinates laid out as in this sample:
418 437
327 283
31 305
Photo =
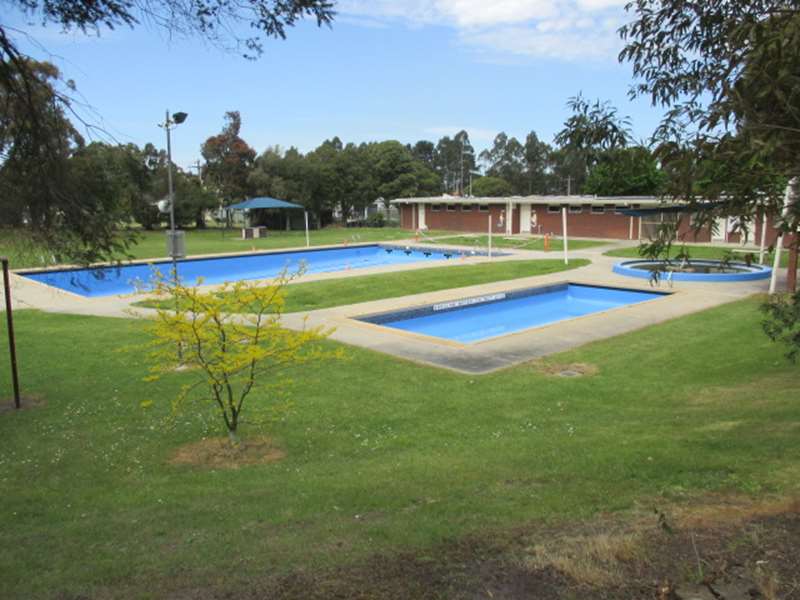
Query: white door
421 217
525 218
720 231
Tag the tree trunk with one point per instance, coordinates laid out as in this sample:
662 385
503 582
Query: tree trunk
233 438
791 273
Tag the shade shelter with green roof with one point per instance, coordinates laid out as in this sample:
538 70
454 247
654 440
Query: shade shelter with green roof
266 203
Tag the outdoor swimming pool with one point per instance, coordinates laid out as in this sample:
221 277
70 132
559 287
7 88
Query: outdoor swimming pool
125 279
484 317
693 270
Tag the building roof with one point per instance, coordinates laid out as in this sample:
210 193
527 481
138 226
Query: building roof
262 202
637 201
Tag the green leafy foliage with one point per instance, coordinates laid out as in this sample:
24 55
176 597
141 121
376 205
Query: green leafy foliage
626 172
592 130
53 188
230 355
491 186
229 160
782 322
727 73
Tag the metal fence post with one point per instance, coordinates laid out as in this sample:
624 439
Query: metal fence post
12 347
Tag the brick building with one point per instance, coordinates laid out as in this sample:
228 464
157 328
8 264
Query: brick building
587 216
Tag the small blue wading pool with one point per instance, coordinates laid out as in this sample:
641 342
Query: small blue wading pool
693 270
484 317
125 279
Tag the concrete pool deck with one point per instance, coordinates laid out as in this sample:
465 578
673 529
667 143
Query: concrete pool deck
476 358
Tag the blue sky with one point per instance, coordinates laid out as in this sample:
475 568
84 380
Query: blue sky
388 69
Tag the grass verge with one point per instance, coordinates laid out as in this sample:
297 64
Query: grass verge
351 290
382 455
534 243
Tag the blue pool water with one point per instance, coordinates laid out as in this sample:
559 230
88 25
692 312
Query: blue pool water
124 279
481 318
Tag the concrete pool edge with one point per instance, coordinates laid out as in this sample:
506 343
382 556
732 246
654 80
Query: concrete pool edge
124 279
486 357
516 348
746 273
29 293
381 321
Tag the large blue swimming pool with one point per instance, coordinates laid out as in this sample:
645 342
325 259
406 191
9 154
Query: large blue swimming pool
483 317
124 279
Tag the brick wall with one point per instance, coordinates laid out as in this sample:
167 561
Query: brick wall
584 224
473 221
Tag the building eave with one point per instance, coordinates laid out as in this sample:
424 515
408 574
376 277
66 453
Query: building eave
627 201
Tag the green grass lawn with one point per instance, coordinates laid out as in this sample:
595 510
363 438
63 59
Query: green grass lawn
152 244
350 290
712 252
499 241
381 454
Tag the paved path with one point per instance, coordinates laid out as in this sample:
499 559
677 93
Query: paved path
481 357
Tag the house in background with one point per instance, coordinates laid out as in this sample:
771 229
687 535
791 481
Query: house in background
609 217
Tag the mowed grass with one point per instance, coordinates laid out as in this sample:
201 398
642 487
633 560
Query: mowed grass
382 454
534 243
709 252
351 290
152 244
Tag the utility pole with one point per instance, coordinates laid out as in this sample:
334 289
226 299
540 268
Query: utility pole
196 165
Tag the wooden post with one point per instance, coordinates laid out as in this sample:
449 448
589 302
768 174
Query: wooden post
490 232
791 273
12 346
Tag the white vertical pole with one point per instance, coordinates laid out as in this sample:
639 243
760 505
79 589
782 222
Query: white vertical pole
776 262
490 234
763 245
564 231
308 241
630 229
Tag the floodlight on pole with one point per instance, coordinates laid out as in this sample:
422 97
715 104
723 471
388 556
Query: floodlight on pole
174 252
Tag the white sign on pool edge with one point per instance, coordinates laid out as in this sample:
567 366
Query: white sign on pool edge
468 301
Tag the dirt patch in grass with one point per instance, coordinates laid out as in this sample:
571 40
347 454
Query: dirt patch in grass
565 369
26 403
745 392
720 549
219 453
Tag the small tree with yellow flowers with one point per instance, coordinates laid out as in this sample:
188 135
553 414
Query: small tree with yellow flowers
232 340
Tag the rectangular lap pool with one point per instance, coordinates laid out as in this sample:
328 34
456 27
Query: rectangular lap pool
125 279
484 317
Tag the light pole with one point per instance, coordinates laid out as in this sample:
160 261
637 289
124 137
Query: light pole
168 125
172 236
471 173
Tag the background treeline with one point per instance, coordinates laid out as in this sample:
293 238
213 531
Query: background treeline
53 181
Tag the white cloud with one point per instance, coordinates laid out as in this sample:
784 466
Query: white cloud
560 29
